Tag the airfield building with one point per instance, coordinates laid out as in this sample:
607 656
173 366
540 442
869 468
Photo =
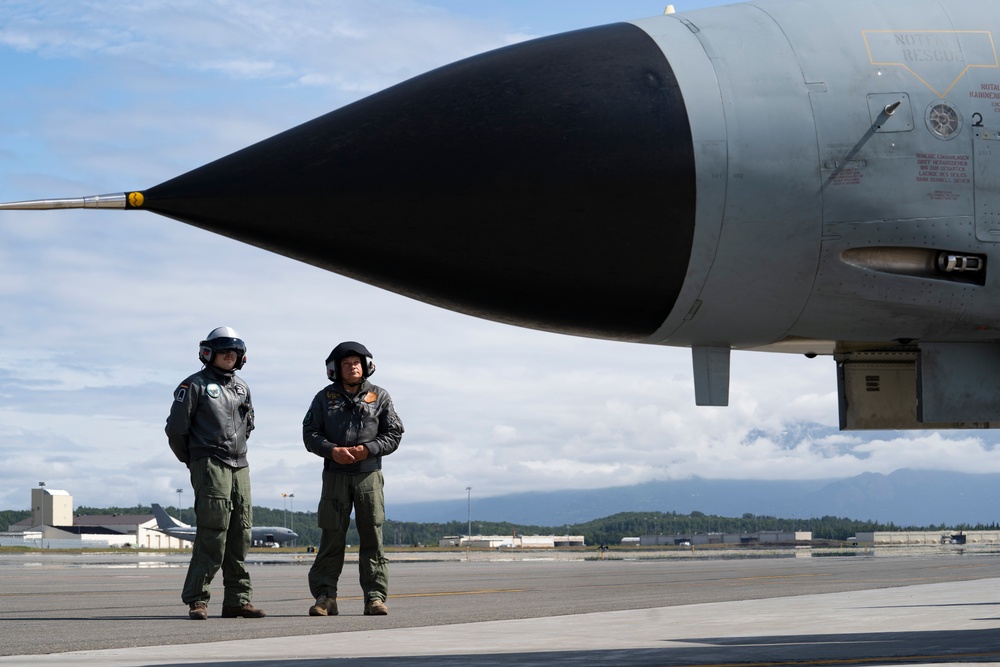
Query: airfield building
53 526
915 538
760 537
512 541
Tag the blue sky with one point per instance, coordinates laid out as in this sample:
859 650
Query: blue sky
103 310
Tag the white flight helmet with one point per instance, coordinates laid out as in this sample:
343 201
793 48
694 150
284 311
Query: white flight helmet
222 339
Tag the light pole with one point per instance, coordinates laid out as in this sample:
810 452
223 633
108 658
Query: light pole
284 521
181 517
468 490
291 499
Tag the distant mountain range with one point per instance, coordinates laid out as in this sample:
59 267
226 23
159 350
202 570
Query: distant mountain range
904 497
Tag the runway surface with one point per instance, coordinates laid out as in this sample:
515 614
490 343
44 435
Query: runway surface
124 610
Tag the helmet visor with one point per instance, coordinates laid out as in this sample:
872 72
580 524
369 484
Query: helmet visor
226 344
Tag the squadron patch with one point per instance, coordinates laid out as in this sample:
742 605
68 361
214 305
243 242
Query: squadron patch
370 397
213 390
309 418
181 393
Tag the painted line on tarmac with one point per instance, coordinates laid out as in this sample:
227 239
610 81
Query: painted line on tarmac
947 657
439 594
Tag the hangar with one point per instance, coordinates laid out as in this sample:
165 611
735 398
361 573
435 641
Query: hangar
511 541
903 537
761 537
53 526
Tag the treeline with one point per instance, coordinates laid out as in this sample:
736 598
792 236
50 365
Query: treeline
608 530
8 517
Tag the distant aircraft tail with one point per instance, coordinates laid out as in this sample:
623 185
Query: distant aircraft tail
164 520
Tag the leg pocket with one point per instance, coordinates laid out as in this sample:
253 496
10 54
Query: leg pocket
246 516
369 504
241 497
328 513
213 512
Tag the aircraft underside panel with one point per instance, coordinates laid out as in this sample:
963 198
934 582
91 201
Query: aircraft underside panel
930 386
959 382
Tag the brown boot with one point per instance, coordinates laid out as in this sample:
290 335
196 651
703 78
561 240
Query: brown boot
247 610
198 611
325 606
376 607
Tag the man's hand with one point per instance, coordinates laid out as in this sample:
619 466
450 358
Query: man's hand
348 455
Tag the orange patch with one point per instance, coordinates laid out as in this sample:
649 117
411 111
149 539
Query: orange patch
371 397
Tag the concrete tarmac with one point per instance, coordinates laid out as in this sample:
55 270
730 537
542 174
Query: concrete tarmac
931 607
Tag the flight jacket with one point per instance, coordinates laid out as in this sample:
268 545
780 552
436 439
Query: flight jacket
212 415
338 419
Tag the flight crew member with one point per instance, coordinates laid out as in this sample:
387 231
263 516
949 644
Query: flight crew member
209 423
351 424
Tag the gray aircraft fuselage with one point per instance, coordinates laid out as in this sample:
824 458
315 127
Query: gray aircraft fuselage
847 165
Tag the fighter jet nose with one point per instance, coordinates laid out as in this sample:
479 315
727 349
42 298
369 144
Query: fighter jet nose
549 184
